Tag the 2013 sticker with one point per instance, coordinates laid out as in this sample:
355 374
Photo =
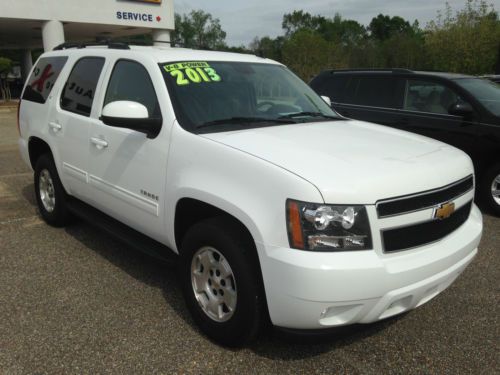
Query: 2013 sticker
196 72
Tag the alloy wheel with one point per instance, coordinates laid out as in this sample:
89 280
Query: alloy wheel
213 283
495 189
46 190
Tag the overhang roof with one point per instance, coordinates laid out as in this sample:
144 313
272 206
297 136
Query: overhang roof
27 34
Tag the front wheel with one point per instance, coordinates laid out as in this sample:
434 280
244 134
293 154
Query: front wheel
221 281
490 188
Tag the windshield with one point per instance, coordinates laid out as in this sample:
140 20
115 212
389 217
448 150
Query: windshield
487 92
223 96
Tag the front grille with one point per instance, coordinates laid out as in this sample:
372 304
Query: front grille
421 201
424 233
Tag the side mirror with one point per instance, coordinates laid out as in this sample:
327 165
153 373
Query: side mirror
327 100
462 109
131 115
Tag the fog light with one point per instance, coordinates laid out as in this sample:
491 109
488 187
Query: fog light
337 242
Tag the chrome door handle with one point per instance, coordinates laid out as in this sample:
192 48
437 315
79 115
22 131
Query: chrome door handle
99 143
55 126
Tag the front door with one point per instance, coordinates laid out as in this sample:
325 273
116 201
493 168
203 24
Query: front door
127 171
426 111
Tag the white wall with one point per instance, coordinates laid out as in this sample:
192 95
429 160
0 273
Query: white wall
91 11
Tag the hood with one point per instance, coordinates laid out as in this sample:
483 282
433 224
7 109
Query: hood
354 162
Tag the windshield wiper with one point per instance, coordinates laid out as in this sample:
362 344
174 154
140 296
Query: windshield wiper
308 114
245 120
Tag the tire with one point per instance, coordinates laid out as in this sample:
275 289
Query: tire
209 247
490 183
50 194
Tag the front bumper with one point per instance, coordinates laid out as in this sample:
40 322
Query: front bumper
307 290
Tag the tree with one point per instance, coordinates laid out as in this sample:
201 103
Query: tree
467 42
339 30
268 47
403 51
300 20
384 27
5 67
198 30
307 53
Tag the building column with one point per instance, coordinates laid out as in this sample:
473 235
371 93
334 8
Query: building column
161 38
52 34
26 65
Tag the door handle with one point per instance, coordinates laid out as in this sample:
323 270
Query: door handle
99 143
55 126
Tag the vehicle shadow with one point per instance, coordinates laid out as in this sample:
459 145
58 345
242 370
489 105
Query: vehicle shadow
291 346
28 192
272 344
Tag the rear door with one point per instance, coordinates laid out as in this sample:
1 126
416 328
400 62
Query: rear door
69 122
373 98
127 170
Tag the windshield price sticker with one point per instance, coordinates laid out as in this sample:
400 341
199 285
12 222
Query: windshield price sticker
186 73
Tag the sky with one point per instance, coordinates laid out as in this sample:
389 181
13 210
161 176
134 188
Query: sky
244 20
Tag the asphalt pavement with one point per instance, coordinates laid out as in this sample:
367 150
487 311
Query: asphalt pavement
74 301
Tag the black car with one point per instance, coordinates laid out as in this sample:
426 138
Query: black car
461 110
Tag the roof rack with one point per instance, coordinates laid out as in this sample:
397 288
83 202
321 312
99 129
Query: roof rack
368 70
110 45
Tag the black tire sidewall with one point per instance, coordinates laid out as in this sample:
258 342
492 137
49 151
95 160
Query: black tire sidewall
485 192
245 323
58 216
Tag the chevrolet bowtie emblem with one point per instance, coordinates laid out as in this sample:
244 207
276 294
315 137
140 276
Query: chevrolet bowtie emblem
444 211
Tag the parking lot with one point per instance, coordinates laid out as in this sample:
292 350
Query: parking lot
75 301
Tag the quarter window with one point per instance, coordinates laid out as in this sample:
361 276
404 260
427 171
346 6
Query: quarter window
43 78
130 81
79 91
430 97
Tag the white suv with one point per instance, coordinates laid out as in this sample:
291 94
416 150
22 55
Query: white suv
275 206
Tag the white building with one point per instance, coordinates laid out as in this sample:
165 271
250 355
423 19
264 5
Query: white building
30 24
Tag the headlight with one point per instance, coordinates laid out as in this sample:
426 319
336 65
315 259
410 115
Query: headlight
323 227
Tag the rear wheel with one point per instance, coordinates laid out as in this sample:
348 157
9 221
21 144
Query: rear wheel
221 281
50 194
490 189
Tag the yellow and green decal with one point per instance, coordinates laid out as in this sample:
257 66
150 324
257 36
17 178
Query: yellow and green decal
186 73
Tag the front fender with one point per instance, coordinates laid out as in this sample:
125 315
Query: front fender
251 189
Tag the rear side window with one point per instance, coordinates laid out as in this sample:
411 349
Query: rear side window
385 92
79 90
43 78
332 86
131 81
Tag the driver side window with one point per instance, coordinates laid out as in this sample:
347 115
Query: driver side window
131 81
430 97
276 95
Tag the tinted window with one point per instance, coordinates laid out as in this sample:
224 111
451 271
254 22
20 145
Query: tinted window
43 78
428 96
130 81
79 91
486 92
332 86
383 92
